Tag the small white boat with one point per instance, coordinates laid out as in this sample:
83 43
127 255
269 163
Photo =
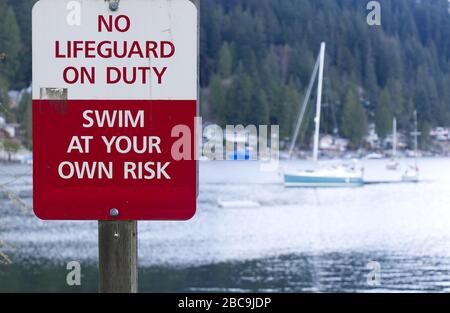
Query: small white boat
411 175
319 177
374 156
238 204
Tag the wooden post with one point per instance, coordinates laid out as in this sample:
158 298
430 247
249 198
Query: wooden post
117 246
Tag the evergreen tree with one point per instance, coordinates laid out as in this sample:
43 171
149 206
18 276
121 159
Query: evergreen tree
22 11
383 115
370 77
10 44
240 97
292 105
217 99
260 108
24 117
354 119
225 61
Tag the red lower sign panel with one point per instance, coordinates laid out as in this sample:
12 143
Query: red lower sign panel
114 160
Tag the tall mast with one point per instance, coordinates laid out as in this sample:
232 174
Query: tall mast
302 111
319 103
416 135
394 139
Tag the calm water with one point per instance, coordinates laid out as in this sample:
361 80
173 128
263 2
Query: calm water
296 240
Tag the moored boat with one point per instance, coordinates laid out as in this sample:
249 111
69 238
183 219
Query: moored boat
411 175
327 177
340 176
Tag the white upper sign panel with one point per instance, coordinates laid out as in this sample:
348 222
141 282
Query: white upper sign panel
146 50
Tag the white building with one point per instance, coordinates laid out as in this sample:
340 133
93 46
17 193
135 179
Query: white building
440 134
331 143
372 138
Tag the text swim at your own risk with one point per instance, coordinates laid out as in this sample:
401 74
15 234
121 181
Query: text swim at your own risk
115 145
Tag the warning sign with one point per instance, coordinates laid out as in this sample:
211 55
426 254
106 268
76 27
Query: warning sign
114 107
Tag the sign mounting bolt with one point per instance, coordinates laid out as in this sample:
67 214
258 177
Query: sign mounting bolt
114 212
114 5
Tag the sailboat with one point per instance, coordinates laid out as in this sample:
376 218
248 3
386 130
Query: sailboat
393 164
337 176
412 172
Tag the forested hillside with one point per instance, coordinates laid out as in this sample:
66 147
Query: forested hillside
257 57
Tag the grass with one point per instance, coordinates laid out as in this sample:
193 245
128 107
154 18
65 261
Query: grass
4 259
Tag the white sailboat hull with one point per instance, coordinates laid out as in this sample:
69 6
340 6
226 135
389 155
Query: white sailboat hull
411 176
323 179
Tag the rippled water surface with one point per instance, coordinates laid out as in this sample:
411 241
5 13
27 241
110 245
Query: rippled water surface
295 240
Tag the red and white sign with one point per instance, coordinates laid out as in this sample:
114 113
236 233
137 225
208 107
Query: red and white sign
114 107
